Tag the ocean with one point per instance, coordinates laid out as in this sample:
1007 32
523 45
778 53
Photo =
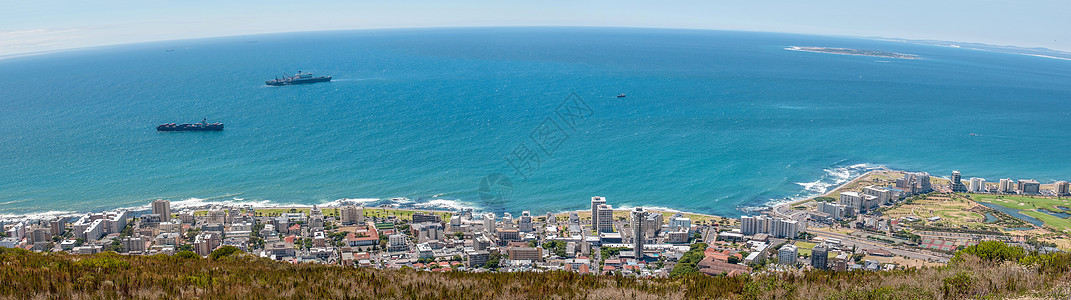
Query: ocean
713 122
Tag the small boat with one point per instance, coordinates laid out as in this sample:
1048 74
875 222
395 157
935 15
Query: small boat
622 95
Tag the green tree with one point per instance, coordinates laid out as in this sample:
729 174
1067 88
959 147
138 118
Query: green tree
224 251
192 233
858 257
558 247
992 250
492 261
733 259
608 252
187 255
687 264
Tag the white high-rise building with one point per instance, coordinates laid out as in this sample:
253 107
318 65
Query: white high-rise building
857 201
787 255
835 211
525 222
915 183
751 225
1060 188
605 215
977 185
679 221
18 231
351 214
507 221
776 227
1006 186
455 223
163 208
881 196
783 228
595 202
652 225
396 242
489 222
639 218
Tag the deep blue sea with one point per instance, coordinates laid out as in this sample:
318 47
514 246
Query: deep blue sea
713 121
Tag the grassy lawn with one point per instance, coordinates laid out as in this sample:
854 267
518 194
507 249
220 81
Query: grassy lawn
279 211
954 213
333 212
1031 206
950 210
399 213
805 247
1028 202
1050 220
960 216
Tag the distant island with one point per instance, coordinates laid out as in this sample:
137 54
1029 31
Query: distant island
1035 51
847 51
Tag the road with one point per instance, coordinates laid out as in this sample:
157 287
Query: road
853 241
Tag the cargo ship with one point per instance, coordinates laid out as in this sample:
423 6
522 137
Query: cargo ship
300 78
203 126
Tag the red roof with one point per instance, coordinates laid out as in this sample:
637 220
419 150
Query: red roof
371 233
720 255
584 269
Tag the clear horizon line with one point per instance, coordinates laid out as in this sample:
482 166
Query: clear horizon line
907 40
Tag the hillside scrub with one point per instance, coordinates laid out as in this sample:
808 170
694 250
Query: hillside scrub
989 270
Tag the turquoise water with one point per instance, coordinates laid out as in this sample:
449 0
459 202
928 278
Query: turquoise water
713 122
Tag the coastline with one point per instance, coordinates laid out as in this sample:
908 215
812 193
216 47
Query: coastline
199 204
833 189
696 217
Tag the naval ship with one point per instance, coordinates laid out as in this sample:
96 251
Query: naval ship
300 78
203 126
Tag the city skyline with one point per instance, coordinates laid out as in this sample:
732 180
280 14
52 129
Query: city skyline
30 27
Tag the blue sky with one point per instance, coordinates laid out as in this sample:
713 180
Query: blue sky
41 25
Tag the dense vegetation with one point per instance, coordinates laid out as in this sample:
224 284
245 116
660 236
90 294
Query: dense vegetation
687 263
990 270
556 247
